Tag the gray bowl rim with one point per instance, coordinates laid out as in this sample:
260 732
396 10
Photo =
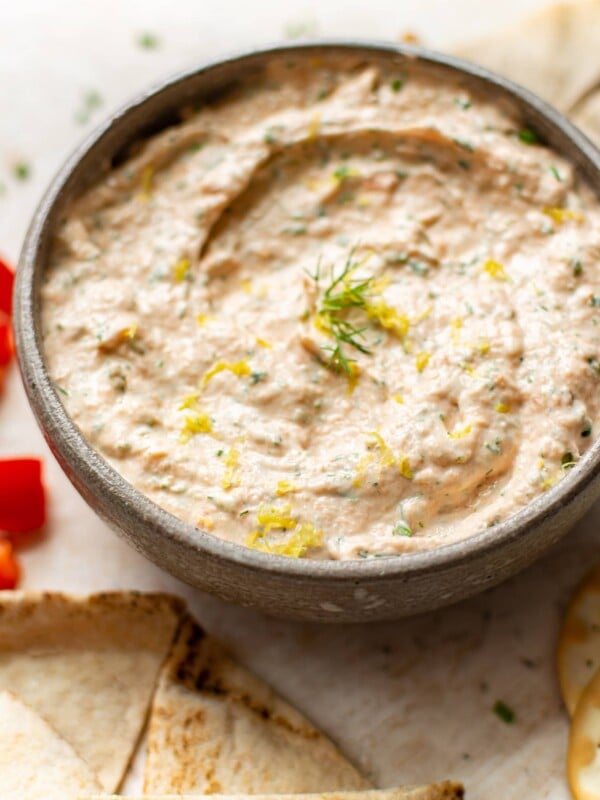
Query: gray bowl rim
106 485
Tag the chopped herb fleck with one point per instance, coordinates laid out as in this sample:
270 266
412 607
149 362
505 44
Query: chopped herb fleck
464 145
295 230
301 29
148 41
401 529
504 712
396 258
59 388
418 267
396 84
495 446
92 99
556 173
343 172
587 431
577 267
594 365
118 380
22 171
528 136
463 103
595 301
567 460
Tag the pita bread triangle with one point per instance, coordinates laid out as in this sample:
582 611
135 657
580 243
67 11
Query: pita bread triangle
587 115
88 666
34 761
216 728
555 52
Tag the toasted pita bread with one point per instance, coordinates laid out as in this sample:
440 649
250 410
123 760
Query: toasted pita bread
88 666
216 728
34 761
434 791
587 115
555 52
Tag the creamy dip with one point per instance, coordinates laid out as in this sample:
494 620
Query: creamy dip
349 310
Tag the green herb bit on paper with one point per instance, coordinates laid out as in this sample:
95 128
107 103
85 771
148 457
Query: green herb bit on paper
148 41
301 29
91 101
504 712
22 171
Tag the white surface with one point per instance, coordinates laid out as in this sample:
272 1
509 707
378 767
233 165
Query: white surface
410 701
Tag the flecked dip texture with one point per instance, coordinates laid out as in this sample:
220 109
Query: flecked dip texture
347 311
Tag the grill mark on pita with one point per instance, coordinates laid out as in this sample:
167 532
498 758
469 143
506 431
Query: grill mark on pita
195 670
203 683
266 714
208 712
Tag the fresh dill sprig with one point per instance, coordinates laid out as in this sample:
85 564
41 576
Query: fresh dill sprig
342 295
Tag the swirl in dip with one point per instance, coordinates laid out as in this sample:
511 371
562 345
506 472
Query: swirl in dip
348 310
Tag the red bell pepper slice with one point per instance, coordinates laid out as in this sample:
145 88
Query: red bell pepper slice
6 342
22 495
10 571
7 279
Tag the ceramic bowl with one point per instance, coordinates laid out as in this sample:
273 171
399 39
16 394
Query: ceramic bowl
332 591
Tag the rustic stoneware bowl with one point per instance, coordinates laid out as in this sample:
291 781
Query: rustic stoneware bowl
313 590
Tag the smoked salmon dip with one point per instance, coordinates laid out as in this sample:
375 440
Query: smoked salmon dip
347 310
